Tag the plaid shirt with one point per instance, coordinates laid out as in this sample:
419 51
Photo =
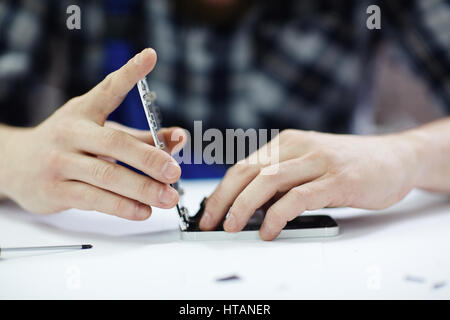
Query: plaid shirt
299 64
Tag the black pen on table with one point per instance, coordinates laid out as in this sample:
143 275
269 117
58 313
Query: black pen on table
46 248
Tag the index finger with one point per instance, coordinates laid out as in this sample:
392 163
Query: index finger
289 174
235 181
121 146
175 138
217 205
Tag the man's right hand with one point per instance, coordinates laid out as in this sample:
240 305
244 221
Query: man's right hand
64 162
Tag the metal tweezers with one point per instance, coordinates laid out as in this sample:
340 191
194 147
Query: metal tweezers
154 121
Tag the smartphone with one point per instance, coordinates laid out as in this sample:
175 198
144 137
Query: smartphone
307 226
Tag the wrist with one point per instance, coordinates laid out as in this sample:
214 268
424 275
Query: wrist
8 145
417 145
4 132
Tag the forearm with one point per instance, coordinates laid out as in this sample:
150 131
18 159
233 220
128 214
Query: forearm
6 142
431 143
3 135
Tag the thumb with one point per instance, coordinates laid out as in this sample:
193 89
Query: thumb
109 94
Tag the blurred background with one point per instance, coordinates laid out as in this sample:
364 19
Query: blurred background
310 65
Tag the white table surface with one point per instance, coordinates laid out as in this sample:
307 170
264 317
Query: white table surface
402 252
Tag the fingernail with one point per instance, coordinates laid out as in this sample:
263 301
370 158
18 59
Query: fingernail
139 59
171 170
230 223
167 195
141 211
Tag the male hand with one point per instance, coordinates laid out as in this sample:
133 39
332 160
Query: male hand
66 161
315 170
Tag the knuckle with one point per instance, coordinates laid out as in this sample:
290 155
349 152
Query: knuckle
109 86
54 159
274 174
104 174
242 205
326 156
145 189
272 170
87 197
242 169
150 158
107 83
119 206
276 217
290 135
320 154
114 138
300 193
72 103
235 170
264 180
54 164
61 130
214 200
216 205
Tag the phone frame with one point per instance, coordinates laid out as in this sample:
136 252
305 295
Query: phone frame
307 226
